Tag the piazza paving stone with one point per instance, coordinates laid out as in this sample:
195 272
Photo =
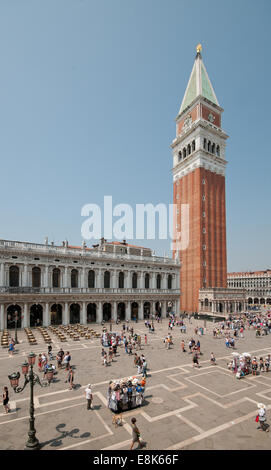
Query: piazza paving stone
185 407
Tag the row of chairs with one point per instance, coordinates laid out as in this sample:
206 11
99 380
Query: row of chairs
31 338
58 333
5 339
44 334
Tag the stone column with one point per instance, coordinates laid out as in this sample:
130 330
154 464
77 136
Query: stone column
99 312
25 276
83 279
128 311
83 314
99 284
66 314
164 308
141 280
46 319
2 273
177 308
127 280
2 319
114 311
26 319
46 277
66 277
114 280
153 309
141 310
163 281
153 281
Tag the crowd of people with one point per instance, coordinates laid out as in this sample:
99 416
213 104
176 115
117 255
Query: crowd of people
129 392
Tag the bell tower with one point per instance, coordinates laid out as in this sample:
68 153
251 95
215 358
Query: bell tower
199 182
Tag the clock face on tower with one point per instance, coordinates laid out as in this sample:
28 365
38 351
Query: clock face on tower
187 122
211 117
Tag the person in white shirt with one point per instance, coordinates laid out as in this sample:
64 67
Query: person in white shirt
89 397
262 417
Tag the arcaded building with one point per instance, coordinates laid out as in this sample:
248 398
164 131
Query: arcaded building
47 284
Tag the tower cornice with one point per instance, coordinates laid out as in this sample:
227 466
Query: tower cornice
196 124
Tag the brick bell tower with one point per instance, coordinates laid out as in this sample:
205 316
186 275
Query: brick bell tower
199 182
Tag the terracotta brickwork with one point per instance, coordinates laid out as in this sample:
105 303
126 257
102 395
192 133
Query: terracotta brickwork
202 267
194 115
205 111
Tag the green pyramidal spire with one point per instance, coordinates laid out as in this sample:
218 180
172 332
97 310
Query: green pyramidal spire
199 84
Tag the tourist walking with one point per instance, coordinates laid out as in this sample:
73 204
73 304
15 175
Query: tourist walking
6 400
70 378
262 417
183 345
66 360
213 361
195 359
11 348
135 435
89 397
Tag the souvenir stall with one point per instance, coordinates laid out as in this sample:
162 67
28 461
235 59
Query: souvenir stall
126 394
240 364
110 338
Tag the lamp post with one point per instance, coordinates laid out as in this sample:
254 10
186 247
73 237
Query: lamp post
32 378
16 320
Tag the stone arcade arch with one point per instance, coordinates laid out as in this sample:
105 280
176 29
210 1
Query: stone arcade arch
91 313
36 315
56 278
74 314
36 277
134 311
11 315
121 311
158 308
14 276
147 309
107 310
56 314
91 279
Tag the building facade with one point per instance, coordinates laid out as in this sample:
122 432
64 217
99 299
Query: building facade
256 283
199 183
220 301
47 284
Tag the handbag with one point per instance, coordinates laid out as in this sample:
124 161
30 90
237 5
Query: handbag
257 418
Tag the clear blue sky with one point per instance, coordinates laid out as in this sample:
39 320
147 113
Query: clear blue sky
89 91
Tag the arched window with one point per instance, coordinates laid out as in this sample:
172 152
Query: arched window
107 280
209 146
56 277
180 155
218 150
205 144
74 278
134 281
169 281
36 276
14 276
91 279
184 153
213 148
147 281
158 281
188 149
193 146
121 280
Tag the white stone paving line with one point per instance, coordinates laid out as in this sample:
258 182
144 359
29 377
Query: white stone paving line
213 431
